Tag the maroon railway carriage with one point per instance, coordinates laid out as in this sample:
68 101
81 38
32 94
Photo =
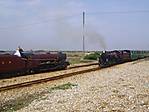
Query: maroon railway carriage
31 62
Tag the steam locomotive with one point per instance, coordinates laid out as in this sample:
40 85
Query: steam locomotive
110 58
29 62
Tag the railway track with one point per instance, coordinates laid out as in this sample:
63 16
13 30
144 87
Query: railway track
83 65
72 70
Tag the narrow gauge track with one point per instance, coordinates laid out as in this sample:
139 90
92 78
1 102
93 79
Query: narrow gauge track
82 65
86 68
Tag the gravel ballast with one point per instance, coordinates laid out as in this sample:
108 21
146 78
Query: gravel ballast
121 88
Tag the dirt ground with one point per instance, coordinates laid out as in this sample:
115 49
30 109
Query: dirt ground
121 88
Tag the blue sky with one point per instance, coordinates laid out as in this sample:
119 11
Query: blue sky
57 24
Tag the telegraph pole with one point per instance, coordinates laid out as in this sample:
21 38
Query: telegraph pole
83 32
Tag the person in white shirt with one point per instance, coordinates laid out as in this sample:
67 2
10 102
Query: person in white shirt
18 51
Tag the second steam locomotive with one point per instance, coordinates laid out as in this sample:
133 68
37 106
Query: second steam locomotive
110 58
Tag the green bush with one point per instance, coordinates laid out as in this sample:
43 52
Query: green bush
92 56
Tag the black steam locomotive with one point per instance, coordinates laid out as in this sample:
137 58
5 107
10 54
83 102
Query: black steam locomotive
109 58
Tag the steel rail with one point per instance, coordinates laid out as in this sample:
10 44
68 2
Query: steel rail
83 65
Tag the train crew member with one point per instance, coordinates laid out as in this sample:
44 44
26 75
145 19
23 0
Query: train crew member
18 51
